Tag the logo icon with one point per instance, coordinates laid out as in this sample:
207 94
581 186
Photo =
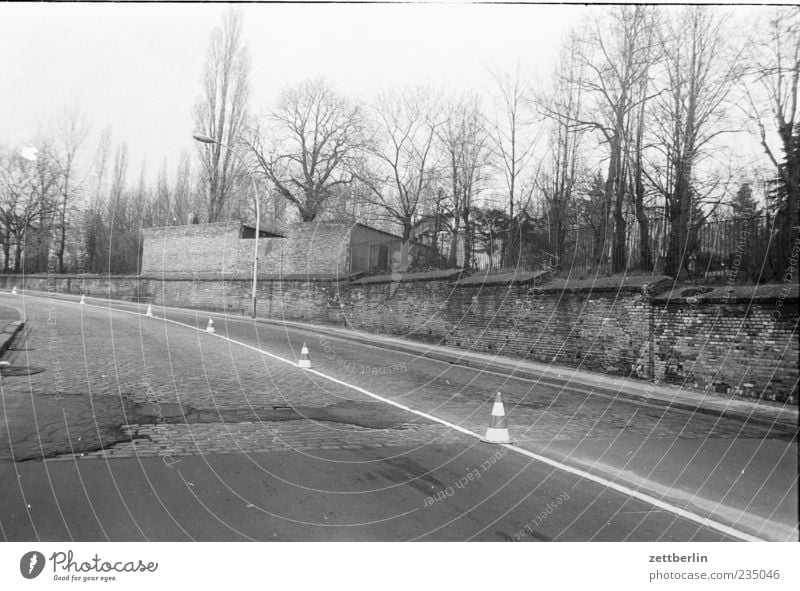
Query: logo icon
31 564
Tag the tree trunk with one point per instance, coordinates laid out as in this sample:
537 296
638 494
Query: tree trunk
404 246
452 257
6 255
619 256
63 237
18 258
645 254
467 243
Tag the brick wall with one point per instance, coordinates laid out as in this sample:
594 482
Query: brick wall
311 299
741 342
196 248
117 287
593 326
310 248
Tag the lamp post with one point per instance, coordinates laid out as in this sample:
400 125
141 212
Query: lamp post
207 140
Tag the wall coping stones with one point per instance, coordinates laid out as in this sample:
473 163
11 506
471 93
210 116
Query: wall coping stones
409 277
191 229
67 276
627 283
769 292
535 277
303 277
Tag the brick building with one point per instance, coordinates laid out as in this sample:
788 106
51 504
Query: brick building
226 249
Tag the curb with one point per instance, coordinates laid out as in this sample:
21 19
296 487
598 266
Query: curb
9 332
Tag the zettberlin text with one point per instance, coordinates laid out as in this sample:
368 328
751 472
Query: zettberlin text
693 557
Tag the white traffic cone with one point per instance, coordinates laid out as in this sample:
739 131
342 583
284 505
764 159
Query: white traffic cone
83 299
305 360
497 431
14 290
149 311
210 327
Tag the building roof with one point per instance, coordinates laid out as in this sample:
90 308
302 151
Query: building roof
381 231
264 231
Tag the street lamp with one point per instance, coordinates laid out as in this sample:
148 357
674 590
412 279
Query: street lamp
207 140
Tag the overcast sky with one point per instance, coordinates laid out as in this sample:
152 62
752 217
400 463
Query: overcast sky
137 67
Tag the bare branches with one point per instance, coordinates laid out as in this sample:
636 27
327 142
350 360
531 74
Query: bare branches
402 167
221 110
317 136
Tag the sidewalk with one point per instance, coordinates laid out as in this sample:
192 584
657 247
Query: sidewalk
784 418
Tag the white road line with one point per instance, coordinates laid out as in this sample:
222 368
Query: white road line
704 521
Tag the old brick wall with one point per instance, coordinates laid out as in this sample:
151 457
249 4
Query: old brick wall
198 248
117 287
740 340
593 326
298 297
310 248
315 248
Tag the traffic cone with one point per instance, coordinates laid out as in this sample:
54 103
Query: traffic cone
14 290
497 431
305 361
83 299
149 311
210 327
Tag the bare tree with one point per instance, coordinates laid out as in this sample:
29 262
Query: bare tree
699 75
614 54
221 110
514 137
27 194
403 166
771 87
464 142
184 200
652 55
558 181
94 228
70 133
317 135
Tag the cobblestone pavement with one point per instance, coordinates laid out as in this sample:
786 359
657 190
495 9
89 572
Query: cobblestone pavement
213 438
98 385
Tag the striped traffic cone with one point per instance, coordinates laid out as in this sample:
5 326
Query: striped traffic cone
149 311
83 299
14 290
497 431
210 327
305 360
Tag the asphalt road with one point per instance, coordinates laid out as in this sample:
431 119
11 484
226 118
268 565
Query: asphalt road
117 426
